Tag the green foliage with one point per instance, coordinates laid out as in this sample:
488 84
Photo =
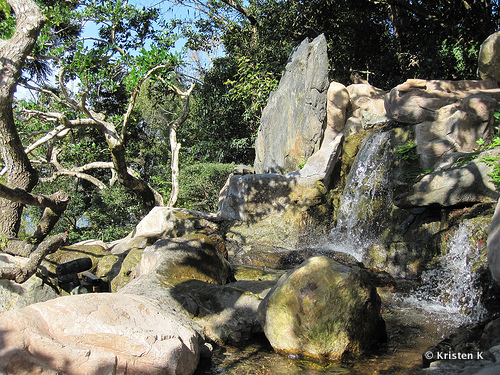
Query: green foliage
408 151
465 159
218 129
201 184
251 87
7 20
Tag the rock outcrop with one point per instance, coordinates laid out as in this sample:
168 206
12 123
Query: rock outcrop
450 116
494 245
98 334
453 185
292 122
323 310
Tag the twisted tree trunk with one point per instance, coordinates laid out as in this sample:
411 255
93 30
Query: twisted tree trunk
13 52
19 175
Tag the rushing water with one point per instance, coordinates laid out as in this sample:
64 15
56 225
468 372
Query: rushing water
451 289
367 185
447 298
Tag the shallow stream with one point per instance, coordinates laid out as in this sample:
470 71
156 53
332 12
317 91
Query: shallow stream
410 332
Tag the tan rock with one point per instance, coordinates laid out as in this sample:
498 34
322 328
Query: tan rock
489 58
97 334
366 108
337 100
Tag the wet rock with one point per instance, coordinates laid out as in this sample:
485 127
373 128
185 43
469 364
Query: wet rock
98 334
292 122
323 310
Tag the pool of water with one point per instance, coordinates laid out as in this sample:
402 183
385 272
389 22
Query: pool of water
411 330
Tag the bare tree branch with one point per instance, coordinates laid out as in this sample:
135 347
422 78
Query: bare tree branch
21 274
133 98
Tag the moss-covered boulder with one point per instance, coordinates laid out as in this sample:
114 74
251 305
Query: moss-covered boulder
323 310
192 257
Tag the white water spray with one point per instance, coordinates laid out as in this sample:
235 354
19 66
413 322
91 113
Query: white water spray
451 288
357 221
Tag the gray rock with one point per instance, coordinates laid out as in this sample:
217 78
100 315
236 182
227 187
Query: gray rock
227 313
489 58
494 245
292 122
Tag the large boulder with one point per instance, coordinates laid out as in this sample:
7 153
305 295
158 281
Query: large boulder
292 122
323 310
193 257
272 209
489 58
98 334
449 116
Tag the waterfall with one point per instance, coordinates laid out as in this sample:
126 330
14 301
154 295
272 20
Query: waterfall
452 288
366 198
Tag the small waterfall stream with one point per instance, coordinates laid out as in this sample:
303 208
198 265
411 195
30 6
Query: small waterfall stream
358 223
451 289
447 298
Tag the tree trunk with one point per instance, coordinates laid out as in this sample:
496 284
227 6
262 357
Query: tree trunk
13 52
175 147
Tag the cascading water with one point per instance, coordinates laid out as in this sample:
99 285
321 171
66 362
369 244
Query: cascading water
365 199
451 287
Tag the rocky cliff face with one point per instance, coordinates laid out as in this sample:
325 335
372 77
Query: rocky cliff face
292 123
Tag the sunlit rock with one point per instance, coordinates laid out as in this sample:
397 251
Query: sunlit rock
323 310
98 334
366 108
194 257
489 58
291 127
